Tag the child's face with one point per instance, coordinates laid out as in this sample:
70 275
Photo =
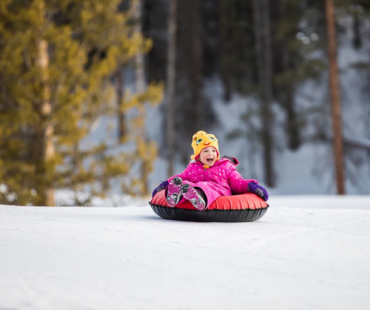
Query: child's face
208 156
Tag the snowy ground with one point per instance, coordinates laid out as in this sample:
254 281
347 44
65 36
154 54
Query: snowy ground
307 252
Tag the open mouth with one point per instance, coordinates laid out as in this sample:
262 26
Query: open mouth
210 160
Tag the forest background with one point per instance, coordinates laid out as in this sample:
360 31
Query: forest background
93 94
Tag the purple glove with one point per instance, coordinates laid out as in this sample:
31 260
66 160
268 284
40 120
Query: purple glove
258 190
161 186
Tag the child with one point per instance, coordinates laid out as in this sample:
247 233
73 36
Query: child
208 176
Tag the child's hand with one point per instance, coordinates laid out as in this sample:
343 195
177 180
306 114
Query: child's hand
258 190
161 186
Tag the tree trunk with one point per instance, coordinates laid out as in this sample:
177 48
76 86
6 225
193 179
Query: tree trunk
43 146
223 64
263 51
195 66
45 130
140 88
335 99
121 115
357 39
283 63
292 126
171 85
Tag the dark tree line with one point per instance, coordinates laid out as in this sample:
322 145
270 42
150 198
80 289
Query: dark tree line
63 66
261 49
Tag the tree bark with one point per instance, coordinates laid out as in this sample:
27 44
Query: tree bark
357 39
223 65
335 99
292 126
140 88
171 85
195 64
121 115
283 62
45 132
264 59
43 148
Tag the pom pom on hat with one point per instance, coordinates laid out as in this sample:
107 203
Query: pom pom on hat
201 140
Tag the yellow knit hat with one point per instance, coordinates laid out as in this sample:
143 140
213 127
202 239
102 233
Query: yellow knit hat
200 140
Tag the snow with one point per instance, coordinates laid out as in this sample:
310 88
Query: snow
307 252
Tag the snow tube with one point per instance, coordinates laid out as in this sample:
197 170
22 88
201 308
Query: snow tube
237 208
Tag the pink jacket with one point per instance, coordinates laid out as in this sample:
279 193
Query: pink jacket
222 179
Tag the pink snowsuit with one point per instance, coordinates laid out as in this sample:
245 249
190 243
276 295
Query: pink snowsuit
221 179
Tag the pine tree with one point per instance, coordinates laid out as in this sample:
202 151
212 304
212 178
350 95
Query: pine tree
294 42
56 63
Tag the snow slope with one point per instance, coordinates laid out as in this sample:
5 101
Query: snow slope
307 252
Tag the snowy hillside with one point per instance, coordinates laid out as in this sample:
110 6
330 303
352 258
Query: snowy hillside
305 253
